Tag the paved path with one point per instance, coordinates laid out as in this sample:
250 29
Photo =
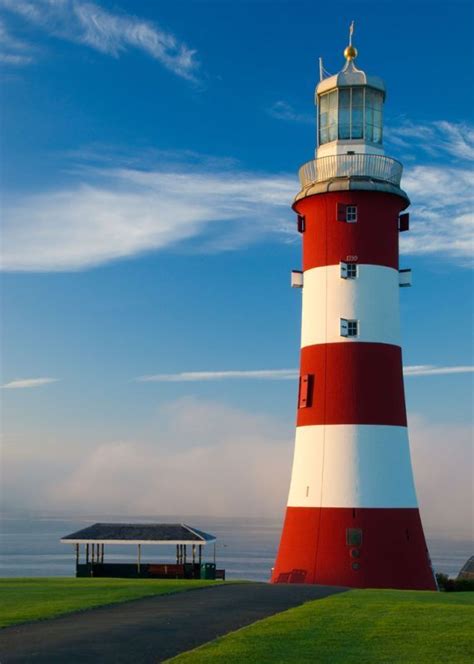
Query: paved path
152 629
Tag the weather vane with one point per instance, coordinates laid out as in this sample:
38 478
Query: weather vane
351 32
350 52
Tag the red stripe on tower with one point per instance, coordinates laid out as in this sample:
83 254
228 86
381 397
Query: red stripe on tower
352 517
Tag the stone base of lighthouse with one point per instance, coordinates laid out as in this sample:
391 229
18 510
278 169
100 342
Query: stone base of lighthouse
358 548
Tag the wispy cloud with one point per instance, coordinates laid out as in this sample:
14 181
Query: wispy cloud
111 33
442 219
281 110
434 138
121 206
192 376
119 212
27 382
431 370
281 374
13 51
442 190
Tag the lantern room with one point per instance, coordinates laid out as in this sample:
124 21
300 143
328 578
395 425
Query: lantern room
350 111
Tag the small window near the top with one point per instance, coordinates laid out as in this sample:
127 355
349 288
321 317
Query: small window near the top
349 328
351 214
348 270
346 213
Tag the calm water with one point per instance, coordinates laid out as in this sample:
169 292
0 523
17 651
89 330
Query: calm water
30 546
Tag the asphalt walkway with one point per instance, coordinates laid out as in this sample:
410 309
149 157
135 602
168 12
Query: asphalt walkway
152 629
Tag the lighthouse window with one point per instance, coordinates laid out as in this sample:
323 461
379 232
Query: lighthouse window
349 328
351 213
348 270
346 213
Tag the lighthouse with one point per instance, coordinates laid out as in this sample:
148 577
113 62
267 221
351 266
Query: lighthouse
352 516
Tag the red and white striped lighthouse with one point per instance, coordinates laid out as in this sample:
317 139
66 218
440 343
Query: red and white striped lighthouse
352 517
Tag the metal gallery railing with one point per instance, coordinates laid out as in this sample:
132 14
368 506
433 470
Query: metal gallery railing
372 166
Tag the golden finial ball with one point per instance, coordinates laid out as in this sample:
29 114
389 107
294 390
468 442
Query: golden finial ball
350 53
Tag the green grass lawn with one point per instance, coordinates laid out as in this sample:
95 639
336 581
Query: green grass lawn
24 599
357 627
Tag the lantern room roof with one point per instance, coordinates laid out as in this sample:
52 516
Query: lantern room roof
349 76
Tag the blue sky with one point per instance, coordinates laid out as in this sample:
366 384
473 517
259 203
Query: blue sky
150 152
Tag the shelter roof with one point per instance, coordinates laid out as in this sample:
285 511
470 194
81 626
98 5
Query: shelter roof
139 533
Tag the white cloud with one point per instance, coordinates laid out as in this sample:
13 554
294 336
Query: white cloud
27 382
13 51
117 210
282 374
431 370
435 138
89 24
191 376
127 212
442 219
443 464
202 457
281 110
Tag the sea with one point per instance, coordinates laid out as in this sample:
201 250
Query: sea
30 545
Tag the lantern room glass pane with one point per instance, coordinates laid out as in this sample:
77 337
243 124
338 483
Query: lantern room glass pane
357 97
345 98
351 113
344 132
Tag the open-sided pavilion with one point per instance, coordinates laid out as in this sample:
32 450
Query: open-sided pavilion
188 564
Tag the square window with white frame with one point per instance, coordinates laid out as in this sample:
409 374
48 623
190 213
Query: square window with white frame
348 270
349 328
351 214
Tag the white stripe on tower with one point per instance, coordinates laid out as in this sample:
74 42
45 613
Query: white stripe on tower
372 298
363 466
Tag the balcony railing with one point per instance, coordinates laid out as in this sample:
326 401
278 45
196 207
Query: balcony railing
371 166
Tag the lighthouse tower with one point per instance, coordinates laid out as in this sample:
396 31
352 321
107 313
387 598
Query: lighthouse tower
352 517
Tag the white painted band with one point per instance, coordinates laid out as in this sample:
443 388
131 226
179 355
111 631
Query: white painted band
372 298
352 465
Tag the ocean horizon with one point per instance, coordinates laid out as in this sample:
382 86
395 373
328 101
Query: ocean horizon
246 547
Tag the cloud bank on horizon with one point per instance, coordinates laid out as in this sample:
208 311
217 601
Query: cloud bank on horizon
242 459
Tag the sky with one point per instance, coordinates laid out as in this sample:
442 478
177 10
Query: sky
149 160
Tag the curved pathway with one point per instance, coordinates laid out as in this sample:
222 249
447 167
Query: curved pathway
152 629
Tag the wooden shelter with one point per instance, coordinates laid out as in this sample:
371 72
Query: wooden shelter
189 563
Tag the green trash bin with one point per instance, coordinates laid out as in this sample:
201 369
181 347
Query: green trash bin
208 571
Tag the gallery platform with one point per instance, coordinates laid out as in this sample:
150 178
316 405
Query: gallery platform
188 564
